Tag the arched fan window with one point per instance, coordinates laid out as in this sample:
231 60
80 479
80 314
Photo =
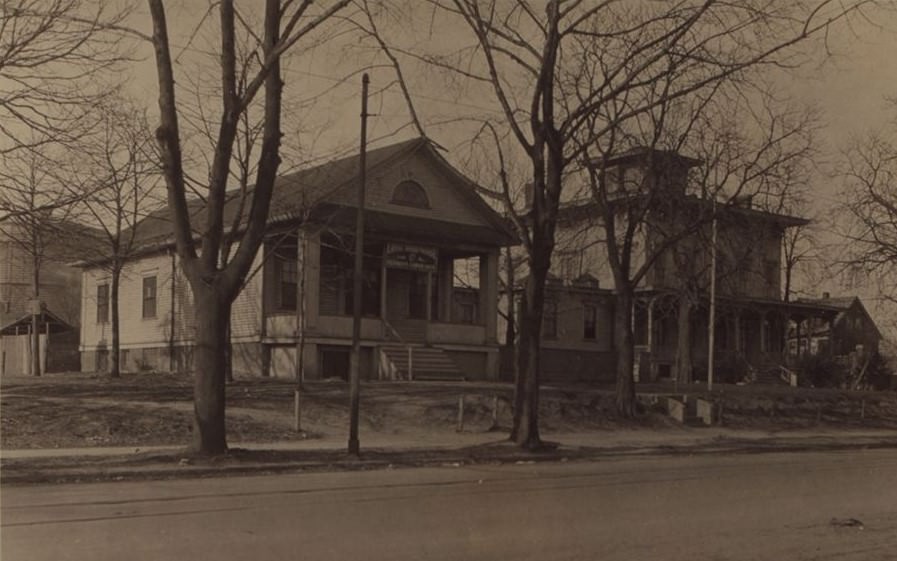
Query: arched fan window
410 193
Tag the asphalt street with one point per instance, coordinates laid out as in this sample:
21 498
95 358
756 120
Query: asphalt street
820 505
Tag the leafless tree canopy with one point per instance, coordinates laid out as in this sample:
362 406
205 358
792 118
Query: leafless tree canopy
869 211
576 82
54 58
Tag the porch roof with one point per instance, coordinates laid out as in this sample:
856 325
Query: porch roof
792 307
47 318
411 228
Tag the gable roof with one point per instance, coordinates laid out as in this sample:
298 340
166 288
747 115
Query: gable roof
298 195
843 304
47 318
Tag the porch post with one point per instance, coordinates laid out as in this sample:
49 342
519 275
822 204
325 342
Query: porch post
383 277
831 336
312 275
739 348
446 273
489 294
763 334
650 334
429 296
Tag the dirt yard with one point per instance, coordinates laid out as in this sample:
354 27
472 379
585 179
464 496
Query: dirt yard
79 410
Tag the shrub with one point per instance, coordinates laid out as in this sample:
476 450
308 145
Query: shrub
822 371
879 374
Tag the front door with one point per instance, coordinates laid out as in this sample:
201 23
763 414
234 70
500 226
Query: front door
406 295
417 295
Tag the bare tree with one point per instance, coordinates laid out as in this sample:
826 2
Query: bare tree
36 220
868 215
568 78
215 285
118 168
54 61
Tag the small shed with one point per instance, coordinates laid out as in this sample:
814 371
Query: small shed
58 345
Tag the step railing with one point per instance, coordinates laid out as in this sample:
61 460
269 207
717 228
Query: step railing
390 331
788 376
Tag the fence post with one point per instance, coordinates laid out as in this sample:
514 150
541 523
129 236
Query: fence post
460 413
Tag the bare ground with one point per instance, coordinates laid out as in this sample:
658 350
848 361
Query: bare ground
80 410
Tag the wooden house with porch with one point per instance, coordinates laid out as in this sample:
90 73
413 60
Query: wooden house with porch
430 289
751 318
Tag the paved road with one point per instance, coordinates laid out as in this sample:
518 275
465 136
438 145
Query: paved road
764 507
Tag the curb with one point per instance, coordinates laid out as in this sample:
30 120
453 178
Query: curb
25 472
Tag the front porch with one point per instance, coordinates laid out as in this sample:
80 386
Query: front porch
428 310
749 337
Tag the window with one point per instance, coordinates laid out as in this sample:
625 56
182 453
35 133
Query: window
550 320
410 193
570 262
589 322
468 313
771 272
286 273
102 303
149 297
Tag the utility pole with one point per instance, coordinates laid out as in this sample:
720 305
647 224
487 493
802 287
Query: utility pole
355 368
711 320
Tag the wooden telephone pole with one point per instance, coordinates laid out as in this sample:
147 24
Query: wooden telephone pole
355 368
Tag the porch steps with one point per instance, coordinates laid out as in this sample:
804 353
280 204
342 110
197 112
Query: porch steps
428 363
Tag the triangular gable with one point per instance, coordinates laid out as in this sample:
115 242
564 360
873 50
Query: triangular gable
449 196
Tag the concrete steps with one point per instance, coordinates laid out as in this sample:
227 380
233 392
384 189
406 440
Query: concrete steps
427 363
691 411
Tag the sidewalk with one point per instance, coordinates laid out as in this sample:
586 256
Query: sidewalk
388 451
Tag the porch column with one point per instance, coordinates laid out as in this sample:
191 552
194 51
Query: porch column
797 323
311 271
383 277
445 285
831 336
763 335
650 334
739 348
429 303
489 294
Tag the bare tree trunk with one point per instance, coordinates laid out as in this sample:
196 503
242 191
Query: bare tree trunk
115 368
35 315
683 341
511 328
228 353
35 345
525 431
212 312
624 344
786 295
